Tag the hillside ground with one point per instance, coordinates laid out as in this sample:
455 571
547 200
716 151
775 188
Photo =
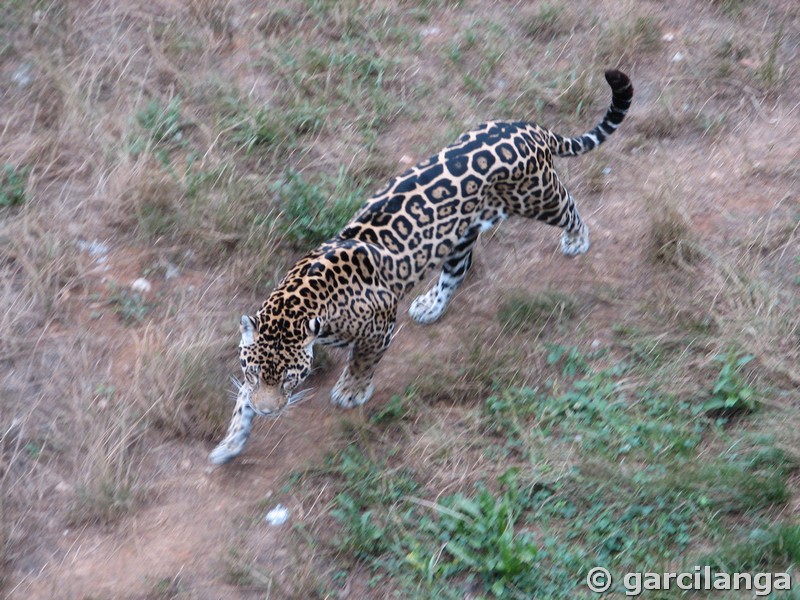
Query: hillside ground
635 408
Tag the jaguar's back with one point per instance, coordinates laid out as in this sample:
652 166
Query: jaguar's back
436 209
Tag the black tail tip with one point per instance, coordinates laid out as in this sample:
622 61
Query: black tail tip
617 79
619 82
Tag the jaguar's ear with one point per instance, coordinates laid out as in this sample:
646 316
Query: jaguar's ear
247 327
313 327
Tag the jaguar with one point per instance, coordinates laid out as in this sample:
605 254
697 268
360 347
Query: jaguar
346 291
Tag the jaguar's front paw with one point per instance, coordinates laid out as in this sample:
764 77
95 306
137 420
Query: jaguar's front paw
576 242
349 392
228 449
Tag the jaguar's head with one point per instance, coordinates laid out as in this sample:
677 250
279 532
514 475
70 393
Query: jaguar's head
275 353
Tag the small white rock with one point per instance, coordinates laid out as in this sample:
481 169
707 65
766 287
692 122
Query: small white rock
428 31
278 515
172 271
607 171
668 37
678 57
141 285
96 249
22 76
596 344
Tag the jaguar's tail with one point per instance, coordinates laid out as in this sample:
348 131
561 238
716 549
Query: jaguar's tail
621 95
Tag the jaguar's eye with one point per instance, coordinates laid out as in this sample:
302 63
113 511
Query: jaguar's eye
250 374
289 383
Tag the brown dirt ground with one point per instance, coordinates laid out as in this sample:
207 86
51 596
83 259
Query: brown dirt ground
729 184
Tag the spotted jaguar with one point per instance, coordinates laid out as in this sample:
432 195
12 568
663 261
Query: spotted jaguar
346 291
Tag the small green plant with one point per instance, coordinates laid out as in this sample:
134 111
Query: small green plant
241 572
312 213
12 185
166 588
522 311
364 535
398 408
161 127
131 306
731 394
571 359
480 535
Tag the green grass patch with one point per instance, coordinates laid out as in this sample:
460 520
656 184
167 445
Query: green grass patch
159 128
758 549
13 181
273 128
650 480
314 211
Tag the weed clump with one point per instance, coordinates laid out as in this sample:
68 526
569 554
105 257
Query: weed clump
187 389
731 394
522 311
547 23
671 238
629 38
109 486
470 374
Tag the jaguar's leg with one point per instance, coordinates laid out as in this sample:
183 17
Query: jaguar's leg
555 206
431 305
575 237
238 432
355 385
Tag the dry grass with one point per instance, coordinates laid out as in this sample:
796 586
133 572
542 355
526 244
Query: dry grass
628 37
671 240
184 383
109 485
